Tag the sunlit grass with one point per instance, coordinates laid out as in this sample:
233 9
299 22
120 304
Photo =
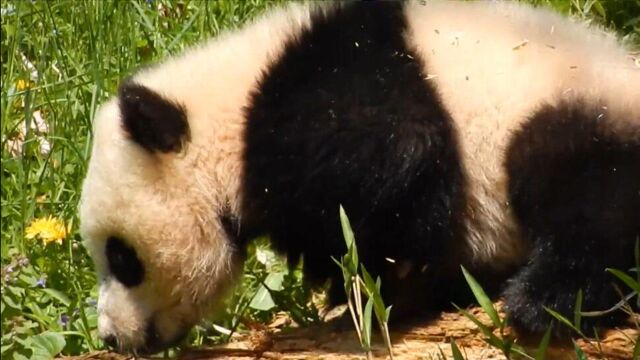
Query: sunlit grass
60 60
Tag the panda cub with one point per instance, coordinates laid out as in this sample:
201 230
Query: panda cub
485 134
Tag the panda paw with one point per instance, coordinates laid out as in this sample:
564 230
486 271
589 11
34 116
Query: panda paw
530 296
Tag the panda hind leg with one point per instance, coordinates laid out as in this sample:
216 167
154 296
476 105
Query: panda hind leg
574 187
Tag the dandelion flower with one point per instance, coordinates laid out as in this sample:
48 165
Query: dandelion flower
23 84
48 229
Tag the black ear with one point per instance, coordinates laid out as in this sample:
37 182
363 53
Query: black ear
152 121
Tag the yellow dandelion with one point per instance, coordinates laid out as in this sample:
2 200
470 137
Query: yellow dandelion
23 84
48 229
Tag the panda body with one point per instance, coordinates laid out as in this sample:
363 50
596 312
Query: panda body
491 135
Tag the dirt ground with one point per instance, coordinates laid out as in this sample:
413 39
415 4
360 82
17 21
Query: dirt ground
425 341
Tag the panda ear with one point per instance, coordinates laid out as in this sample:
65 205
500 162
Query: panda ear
153 122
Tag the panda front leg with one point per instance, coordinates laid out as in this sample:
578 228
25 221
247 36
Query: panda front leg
574 186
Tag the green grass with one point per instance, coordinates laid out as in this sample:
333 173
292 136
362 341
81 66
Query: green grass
60 60
72 54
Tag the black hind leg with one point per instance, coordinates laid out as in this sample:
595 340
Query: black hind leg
574 186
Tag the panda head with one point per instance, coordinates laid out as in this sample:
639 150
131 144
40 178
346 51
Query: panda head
153 223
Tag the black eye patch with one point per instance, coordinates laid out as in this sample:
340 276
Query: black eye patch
124 263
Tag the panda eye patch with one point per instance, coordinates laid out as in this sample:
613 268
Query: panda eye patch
124 263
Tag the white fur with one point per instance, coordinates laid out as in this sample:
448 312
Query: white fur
165 206
494 63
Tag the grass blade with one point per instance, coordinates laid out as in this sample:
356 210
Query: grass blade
580 355
628 280
544 344
563 320
455 351
577 312
482 298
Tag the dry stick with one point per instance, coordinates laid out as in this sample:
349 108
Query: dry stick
358 298
384 328
353 317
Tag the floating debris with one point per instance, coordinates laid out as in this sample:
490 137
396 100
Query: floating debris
522 44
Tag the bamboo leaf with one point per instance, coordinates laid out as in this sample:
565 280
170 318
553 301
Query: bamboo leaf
366 328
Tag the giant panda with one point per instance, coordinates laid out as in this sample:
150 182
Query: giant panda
486 134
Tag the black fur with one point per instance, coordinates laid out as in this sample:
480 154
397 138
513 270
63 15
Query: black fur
575 188
346 117
152 121
124 264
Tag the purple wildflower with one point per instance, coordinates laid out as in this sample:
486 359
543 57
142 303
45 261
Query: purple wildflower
64 320
23 261
9 269
42 282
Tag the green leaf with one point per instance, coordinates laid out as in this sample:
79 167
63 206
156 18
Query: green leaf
366 328
634 285
580 355
482 298
9 301
600 9
262 300
373 291
274 281
46 345
544 344
57 295
347 232
457 355
351 258
6 348
370 285
18 356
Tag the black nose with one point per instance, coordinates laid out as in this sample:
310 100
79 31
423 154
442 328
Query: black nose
110 340
154 342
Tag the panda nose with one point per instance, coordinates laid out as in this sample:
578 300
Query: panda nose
110 340
153 342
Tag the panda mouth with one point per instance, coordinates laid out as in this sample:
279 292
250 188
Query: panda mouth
154 342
